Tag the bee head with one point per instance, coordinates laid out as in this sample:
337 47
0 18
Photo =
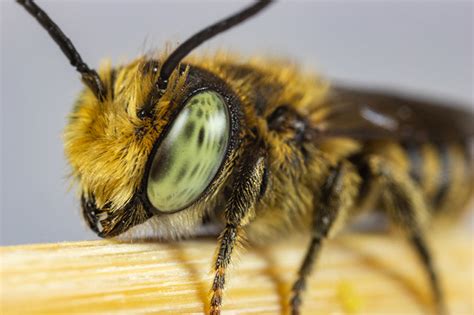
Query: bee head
132 166
153 137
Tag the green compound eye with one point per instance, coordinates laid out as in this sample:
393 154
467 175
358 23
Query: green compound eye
191 153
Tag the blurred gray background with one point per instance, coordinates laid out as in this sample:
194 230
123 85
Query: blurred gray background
419 47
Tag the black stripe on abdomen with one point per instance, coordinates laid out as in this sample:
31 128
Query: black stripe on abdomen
413 152
444 173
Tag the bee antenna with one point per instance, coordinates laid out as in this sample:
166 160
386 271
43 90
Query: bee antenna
89 76
197 39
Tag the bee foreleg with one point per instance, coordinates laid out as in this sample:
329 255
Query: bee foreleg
337 196
238 212
405 205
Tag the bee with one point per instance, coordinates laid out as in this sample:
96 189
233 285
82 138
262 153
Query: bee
170 143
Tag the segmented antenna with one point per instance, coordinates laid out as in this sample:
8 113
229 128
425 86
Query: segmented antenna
89 76
197 39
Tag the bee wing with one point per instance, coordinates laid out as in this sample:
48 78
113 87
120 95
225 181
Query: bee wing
377 115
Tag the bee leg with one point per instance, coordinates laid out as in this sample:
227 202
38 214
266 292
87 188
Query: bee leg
406 207
238 212
337 196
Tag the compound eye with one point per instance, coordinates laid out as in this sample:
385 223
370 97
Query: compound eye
190 155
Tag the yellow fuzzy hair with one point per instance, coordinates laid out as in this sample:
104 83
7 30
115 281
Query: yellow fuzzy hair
107 155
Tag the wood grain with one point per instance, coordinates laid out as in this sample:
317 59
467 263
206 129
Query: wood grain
357 274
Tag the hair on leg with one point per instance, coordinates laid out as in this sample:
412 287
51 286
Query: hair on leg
239 211
406 207
337 197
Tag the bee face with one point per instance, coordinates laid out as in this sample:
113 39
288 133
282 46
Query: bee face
132 166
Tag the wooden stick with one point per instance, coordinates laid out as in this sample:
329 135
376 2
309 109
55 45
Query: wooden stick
357 274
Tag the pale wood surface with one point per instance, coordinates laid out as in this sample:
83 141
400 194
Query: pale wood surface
357 274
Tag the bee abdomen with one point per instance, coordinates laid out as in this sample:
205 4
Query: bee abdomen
444 172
